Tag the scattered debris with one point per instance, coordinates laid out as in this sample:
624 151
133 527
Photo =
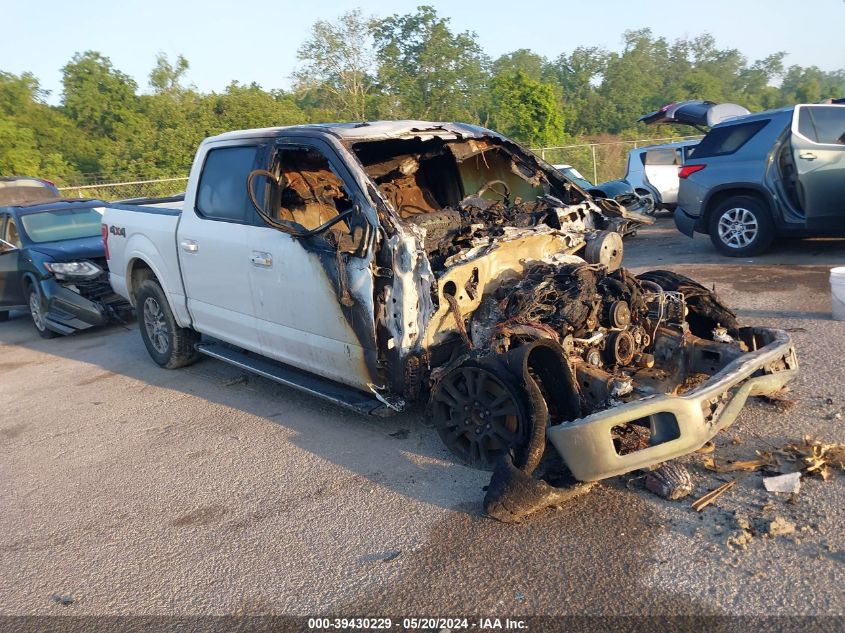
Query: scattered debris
791 483
708 447
743 529
384 557
741 533
720 466
62 600
817 457
705 500
779 527
671 481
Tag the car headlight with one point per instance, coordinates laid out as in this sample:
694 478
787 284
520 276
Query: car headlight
74 270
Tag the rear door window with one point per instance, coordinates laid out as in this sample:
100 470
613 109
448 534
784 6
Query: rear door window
662 157
222 194
10 234
824 125
727 139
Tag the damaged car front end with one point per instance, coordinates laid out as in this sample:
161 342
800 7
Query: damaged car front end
55 266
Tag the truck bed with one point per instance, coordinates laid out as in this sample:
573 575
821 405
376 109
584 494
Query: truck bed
146 233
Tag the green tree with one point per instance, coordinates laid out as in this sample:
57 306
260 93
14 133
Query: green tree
242 107
811 85
632 83
426 71
166 78
98 98
338 63
523 60
576 74
18 150
525 109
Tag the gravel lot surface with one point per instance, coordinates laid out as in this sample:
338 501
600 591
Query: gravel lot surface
132 489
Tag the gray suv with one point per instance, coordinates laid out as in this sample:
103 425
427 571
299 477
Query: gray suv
764 175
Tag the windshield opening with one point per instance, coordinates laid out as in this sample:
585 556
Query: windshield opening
55 226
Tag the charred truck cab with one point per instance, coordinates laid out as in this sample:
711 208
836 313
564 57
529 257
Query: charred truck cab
403 261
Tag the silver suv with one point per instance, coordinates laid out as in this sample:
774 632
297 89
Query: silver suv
653 170
769 174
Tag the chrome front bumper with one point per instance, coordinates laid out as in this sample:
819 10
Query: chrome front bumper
679 424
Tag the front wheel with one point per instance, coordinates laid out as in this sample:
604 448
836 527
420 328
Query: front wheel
168 344
741 226
38 312
479 416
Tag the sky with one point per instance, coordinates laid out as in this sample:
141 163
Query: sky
251 41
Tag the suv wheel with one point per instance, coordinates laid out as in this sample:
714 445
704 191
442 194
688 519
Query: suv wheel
169 345
741 226
38 313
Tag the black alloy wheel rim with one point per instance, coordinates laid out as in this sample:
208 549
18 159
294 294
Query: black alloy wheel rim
477 416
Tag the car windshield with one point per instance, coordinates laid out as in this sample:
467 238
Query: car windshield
575 175
55 226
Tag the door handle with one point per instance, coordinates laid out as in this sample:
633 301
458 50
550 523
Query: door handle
807 155
189 246
264 260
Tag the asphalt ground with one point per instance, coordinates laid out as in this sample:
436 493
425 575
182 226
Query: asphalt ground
130 489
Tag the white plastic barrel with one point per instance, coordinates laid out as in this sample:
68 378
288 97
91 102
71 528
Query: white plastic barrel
837 292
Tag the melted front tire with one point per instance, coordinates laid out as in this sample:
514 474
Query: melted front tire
479 415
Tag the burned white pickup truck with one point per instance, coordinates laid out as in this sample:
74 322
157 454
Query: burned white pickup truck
379 264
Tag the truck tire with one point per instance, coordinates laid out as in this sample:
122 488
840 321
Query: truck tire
37 312
4 316
169 345
741 226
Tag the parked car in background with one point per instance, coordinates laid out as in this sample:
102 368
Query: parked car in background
654 169
618 190
774 173
24 189
53 264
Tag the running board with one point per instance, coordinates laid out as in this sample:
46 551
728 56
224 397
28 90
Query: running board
335 393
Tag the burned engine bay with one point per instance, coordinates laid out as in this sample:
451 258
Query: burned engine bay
470 192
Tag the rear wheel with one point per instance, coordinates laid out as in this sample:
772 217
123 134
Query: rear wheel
741 226
38 312
168 344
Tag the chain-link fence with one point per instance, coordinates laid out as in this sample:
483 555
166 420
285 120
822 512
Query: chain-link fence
599 162
124 190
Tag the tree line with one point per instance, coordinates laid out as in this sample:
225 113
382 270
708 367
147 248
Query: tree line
361 68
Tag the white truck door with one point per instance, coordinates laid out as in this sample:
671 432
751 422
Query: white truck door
304 318
661 170
213 252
